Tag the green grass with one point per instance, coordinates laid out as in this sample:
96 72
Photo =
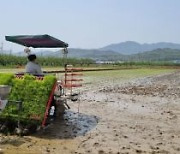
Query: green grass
122 75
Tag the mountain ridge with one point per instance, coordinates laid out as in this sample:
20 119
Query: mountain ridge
132 47
137 50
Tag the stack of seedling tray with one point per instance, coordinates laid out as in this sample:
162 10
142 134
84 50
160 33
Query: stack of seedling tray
27 100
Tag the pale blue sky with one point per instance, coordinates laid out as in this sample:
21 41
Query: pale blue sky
92 23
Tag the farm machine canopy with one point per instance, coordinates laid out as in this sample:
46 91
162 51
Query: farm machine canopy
37 41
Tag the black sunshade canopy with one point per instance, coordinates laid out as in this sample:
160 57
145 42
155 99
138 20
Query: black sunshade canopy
37 41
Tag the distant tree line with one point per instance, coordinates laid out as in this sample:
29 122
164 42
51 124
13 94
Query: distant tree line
147 63
11 60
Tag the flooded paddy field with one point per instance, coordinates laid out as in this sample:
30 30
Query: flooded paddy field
118 112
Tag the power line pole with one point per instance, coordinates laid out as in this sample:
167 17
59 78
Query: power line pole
1 47
10 51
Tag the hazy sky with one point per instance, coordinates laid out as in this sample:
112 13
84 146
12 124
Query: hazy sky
92 23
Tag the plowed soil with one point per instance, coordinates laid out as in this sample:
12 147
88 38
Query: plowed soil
136 116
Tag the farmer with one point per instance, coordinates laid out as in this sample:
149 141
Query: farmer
32 66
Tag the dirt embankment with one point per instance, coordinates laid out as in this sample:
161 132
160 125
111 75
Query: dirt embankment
138 116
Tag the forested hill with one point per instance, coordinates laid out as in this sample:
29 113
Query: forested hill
131 47
79 53
154 55
123 51
157 55
54 60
